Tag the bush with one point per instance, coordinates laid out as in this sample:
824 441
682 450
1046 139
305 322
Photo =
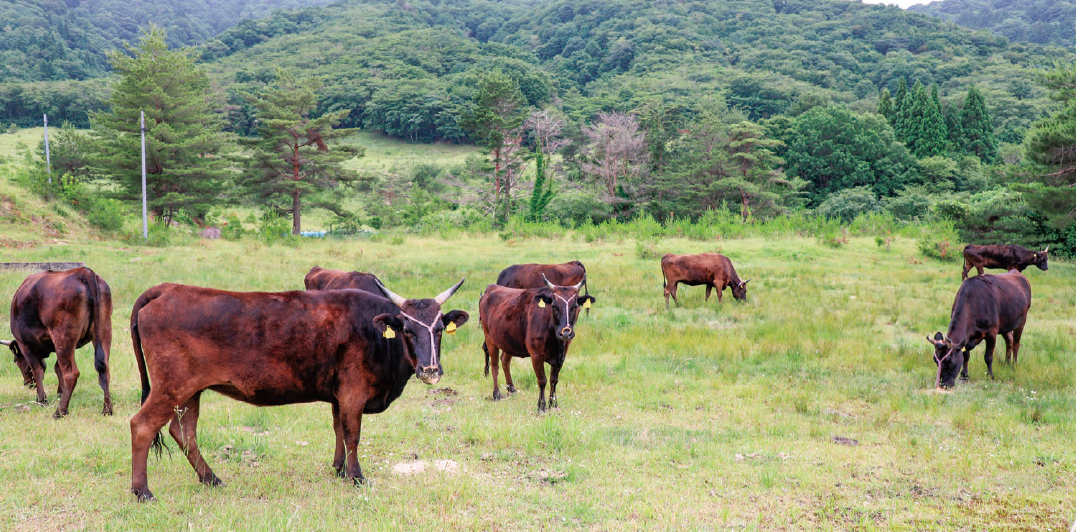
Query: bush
847 204
106 214
942 243
574 207
911 203
647 250
834 239
232 228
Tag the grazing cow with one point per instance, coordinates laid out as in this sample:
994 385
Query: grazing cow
1006 257
62 311
711 269
985 306
530 275
323 279
538 323
350 348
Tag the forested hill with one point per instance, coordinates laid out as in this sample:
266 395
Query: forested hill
43 40
405 67
1037 21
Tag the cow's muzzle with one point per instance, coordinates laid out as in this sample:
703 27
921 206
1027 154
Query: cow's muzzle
566 333
429 374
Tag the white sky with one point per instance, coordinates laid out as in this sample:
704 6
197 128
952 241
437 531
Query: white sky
901 3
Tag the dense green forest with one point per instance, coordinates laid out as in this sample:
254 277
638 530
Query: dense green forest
1037 21
586 112
47 40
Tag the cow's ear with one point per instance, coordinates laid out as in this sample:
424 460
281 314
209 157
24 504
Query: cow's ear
584 299
543 300
455 317
384 322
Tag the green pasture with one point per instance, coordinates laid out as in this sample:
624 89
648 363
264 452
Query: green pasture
711 416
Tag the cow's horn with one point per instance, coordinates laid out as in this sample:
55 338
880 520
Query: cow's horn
547 283
1047 250
448 293
5 342
580 283
399 301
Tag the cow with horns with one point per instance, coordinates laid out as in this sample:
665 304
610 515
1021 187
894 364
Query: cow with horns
349 348
61 311
711 269
1005 257
535 323
985 306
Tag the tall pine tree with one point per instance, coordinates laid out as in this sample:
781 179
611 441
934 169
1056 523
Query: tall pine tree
885 105
293 159
925 127
184 142
1051 144
901 110
977 128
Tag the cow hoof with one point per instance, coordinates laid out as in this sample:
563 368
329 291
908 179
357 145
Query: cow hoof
541 406
57 414
213 481
144 495
511 389
497 396
359 481
553 403
339 470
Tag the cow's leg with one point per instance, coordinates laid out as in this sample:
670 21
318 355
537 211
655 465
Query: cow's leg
59 379
670 290
103 379
991 340
554 377
964 370
145 432
506 361
338 457
351 423
65 359
1016 334
979 269
709 288
494 360
184 429
1008 346
720 292
37 366
539 372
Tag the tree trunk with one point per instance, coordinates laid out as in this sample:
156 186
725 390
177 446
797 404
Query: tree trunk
295 215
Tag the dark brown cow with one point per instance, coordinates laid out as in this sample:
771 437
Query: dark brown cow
985 306
1005 257
530 275
60 312
349 348
538 323
711 269
324 279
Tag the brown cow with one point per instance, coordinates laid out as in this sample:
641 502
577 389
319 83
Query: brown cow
985 306
349 348
530 275
1005 257
538 323
711 269
324 279
60 312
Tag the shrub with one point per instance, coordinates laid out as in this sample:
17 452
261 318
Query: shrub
942 243
574 207
232 228
834 239
911 203
647 250
847 204
106 214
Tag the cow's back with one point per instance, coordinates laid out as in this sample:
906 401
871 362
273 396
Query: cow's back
525 276
51 299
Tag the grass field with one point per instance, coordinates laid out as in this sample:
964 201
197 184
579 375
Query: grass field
710 416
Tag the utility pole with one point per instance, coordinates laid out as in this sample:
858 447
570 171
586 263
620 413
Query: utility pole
145 223
48 159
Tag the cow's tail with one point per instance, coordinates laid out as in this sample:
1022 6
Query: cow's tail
586 291
140 357
485 350
100 320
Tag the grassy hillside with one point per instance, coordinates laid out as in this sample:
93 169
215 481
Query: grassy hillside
713 415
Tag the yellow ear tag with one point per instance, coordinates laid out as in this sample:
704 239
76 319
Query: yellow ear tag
451 329
389 333
541 303
586 304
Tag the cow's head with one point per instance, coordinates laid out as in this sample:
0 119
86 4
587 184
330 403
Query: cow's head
1040 259
949 358
563 303
739 290
20 362
421 324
